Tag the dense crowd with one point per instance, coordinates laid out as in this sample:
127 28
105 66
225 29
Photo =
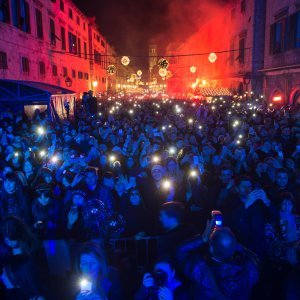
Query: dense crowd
216 184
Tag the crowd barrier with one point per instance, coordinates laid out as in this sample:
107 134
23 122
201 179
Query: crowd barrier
139 253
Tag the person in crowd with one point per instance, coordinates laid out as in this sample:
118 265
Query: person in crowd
73 216
283 249
226 271
45 213
13 200
162 284
223 187
171 218
283 236
212 171
172 171
88 182
287 141
246 213
6 169
265 150
24 268
120 192
197 199
106 191
66 183
152 189
281 185
94 278
134 211
260 177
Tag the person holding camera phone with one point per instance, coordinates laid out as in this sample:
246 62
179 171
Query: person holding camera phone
162 284
217 266
246 212
94 279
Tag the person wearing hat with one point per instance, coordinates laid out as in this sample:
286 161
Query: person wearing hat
92 103
226 270
45 213
47 177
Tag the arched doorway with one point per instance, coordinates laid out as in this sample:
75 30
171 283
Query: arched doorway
295 97
277 96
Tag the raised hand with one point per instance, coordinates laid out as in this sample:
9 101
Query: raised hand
210 224
148 281
265 198
165 294
252 197
72 217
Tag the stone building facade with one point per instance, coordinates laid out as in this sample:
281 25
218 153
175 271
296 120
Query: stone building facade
282 51
52 42
257 43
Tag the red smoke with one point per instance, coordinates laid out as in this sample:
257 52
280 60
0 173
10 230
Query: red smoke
197 28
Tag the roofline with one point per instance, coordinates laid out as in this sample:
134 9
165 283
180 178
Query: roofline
280 68
28 83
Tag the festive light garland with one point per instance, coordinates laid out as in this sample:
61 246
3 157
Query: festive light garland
111 69
193 69
163 63
149 56
212 57
125 60
162 72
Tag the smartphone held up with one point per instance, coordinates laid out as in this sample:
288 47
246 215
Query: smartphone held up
217 217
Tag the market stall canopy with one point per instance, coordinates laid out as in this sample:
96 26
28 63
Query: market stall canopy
29 93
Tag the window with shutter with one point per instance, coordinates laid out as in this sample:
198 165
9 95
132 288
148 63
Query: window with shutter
3 60
25 65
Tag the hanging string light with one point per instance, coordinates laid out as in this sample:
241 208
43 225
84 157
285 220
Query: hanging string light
163 63
111 69
193 69
212 57
125 60
162 72
139 72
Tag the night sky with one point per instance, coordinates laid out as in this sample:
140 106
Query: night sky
129 25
